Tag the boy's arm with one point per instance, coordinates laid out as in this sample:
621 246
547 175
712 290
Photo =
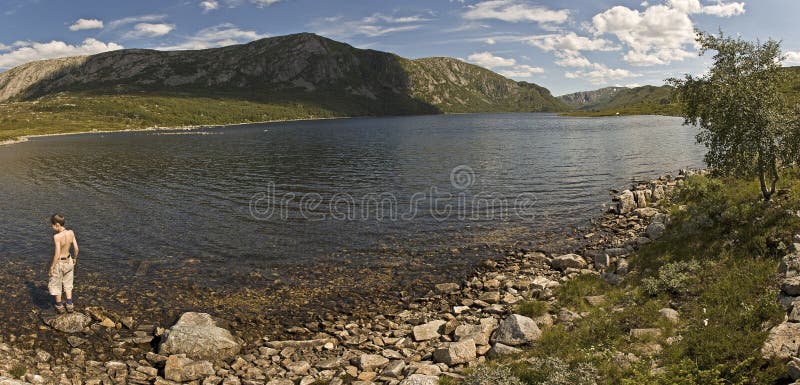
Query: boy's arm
75 246
55 255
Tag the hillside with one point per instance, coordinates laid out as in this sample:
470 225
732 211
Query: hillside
287 77
649 100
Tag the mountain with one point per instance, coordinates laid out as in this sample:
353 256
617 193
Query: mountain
586 100
307 73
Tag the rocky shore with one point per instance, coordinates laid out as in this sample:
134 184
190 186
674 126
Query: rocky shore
454 326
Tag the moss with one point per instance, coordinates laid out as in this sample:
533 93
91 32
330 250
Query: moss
532 308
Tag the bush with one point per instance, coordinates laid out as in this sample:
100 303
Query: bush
491 375
673 278
17 371
554 371
532 308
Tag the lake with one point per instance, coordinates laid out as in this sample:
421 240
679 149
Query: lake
265 198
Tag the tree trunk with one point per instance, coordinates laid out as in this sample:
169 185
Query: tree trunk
762 178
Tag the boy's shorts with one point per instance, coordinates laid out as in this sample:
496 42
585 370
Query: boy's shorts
62 277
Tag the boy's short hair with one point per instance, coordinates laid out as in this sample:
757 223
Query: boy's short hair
57 219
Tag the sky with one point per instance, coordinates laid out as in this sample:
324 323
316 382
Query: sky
566 45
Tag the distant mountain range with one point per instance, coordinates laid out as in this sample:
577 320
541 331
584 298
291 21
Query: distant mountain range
298 76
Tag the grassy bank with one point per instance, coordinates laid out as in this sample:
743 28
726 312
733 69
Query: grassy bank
716 265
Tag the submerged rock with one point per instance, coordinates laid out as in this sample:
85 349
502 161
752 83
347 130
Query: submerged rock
198 337
68 323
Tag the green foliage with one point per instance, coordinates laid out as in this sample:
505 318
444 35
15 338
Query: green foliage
685 372
17 371
745 121
674 278
532 308
645 100
554 371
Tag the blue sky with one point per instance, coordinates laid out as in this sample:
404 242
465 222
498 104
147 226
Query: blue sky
566 45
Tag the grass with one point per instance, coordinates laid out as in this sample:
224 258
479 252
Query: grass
716 264
532 309
17 372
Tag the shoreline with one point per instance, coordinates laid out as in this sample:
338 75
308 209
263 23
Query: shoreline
26 138
413 337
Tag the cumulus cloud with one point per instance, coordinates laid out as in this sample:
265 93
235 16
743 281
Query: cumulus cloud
209 5
570 42
375 25
488 60
792 58
509 66
216 36
601 75
24 52
719 8
149 30
515 11
82 24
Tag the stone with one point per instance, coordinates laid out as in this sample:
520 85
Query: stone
640 196
602 262
655 230
490 297
455 353
790 265
794 368
791 285
658 193
280 381
394 369
670 315
448 288
475 332
502 350
108 323
420 379
198 336
11 381
782 342
645 212
179 368
75 341
595 300
625 202
428 331
69 322
299 368
566 261
370 362
516 330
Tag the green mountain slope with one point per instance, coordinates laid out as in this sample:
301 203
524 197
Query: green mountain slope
587 100
288 77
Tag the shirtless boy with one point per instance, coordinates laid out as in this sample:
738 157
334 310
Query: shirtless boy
62 268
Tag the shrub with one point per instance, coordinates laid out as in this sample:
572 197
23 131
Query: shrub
554 371
491 375
532 308
17 371
673 278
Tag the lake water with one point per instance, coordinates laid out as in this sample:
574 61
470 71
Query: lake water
266 197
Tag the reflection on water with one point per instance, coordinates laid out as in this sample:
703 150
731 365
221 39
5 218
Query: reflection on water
165 199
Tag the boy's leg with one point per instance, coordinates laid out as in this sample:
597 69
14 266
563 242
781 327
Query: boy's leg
67 281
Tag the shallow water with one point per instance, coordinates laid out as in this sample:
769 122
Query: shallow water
353 187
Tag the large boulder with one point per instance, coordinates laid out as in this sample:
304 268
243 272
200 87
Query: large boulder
198 337
655 230
428 331
68 323
791 285
371 362
563 262
625 202
516 330
640 196
783 341
455 353
181 369
790 265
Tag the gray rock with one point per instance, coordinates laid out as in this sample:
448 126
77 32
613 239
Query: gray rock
420 379
516 330
625 202
658 193
782 342
670 315
790 265
655 230
502 350
428 331
640 196
280 381
639 334
474 332
394 369
566 261
646 212
455 353
794 368
299 368
602 262
68 323
10 381
791 285
448 288
370 362
182 369
198 337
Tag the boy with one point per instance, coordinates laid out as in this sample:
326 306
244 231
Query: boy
62 268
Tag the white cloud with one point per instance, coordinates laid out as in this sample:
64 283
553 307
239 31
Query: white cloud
82 24
490 41
720 8
601 74
792 58
372 26
135 19
570 42
514 11
29 51
488 60
572 60
264 3
209 5
216 36
521 71
149 30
